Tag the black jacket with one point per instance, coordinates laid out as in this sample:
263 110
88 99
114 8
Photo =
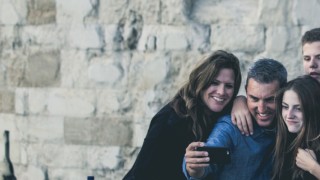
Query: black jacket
163 149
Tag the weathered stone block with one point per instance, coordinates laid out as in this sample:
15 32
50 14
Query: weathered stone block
144 74
74 11
41 12
104 73
198 36
153 13
31 172
110 12
97 131
166 38
173 12
306 13
85 69
128 32
10 37
21 106
85 37
280 10
45 129
276 39
42 69
176 42
113 102
71 103
36 101
238 38
110 32
224 12
69 174
14 64
279 39
73 65
103 157
57 155
7 101
12 12
105 133
78 131
45 35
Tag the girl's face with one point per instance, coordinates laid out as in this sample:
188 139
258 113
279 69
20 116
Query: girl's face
220 92
291 111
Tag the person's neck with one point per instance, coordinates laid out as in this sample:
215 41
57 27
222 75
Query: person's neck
271 127
209 114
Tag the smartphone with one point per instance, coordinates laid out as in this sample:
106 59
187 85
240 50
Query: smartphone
218 155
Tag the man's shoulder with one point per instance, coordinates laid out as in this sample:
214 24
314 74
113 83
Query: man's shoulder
225 123
225 119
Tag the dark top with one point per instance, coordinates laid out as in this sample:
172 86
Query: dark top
287 171
163 149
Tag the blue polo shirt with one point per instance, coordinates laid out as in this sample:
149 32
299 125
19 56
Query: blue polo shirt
251 156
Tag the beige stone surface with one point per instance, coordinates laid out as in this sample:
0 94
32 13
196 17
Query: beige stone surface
80 80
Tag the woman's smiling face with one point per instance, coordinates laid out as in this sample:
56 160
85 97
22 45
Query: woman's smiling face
220 92
292 111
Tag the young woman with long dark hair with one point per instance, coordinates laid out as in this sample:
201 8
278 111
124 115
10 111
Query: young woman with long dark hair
297 149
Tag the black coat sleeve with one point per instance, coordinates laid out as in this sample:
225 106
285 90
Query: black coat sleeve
158 155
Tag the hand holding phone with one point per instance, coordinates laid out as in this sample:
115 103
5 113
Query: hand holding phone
217 155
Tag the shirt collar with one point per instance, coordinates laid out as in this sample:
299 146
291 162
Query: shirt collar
258 131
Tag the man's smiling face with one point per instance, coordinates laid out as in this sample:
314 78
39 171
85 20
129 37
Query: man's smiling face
260 100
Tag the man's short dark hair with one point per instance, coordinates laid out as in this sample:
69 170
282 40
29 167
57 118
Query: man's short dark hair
311 36
266 71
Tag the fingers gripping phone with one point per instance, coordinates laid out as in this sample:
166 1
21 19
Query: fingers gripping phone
217 155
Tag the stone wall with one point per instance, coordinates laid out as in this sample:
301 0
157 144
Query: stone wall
81 79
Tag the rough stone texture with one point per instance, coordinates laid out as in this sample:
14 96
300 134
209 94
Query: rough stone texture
84 37
6 101
32 173
279 9
42 69
13 64
174 12
99 131
45 35
306 13
105 133
57 155
104 158
44 130
225 12
71 104
238 38
79 133
10 37
12 12
76 11
110 12
81 79
166 38
41 12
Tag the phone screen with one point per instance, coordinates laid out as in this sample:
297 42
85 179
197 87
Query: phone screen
218 155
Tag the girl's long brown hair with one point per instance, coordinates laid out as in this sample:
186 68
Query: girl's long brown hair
308 91
188 102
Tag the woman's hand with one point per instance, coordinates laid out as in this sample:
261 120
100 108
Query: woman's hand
240 115
196 161
306 160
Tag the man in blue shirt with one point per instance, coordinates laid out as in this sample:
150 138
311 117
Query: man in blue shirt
251 156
